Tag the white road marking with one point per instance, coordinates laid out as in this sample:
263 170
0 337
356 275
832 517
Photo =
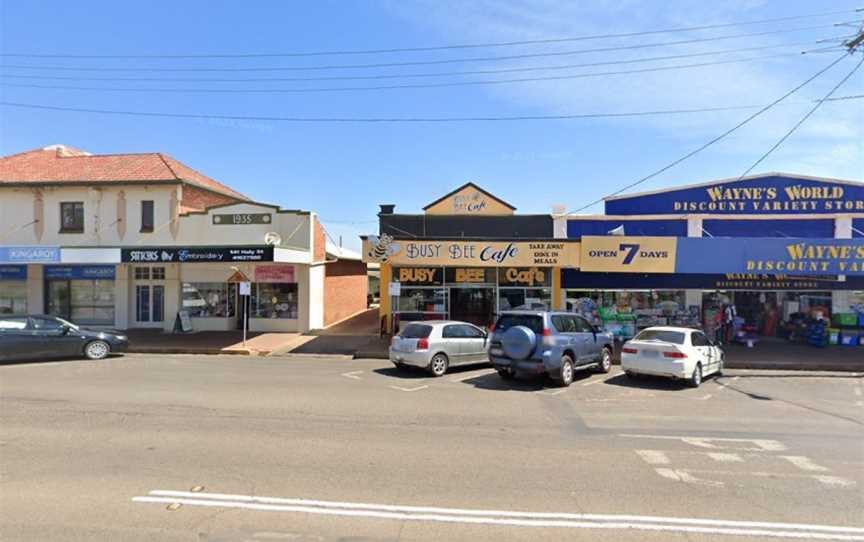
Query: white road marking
681 475
723 457
513 518
400 388
804 463
553 392
462 378
834 480
592 382
353 374
759 445
653 457
858 391
705 398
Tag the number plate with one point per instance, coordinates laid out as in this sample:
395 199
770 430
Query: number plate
650 353
496 352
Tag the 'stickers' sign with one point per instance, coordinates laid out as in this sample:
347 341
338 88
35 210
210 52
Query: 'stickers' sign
472 253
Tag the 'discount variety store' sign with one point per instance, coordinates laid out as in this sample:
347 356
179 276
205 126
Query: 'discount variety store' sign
766 195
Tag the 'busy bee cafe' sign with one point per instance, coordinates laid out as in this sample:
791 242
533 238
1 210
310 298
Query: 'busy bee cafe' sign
549 253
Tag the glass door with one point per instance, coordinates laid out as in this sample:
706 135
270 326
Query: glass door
149 296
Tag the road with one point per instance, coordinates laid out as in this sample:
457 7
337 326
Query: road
212 448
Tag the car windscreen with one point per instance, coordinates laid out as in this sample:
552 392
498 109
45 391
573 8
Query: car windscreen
533 322
661 335
416 331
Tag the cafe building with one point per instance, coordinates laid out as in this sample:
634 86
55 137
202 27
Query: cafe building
776 246
467 257
133 241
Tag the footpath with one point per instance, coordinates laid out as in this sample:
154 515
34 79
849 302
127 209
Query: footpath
357 337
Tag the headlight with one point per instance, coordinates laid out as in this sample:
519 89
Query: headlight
122 337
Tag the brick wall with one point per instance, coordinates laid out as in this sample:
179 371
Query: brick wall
345 288
196 198
319 242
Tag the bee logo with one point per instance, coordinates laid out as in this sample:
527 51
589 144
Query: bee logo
382 247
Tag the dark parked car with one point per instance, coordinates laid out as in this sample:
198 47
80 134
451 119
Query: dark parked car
548 343
43 337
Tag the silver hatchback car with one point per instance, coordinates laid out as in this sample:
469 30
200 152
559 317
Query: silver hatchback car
438 345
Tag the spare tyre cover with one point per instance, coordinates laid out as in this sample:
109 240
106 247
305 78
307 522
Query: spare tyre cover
518 342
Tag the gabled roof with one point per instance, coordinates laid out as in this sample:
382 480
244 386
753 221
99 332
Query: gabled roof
474 186
61 164
733 180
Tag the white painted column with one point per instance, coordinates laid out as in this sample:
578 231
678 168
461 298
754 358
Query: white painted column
316 297
694 229
35 289
122 297
173 295
842 230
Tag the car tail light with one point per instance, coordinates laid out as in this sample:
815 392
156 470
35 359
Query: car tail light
422 344
626 350
547 332
491 328
674 355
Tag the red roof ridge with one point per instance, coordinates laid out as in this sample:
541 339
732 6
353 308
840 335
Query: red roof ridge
164 161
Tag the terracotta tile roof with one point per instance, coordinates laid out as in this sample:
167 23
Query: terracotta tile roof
59 163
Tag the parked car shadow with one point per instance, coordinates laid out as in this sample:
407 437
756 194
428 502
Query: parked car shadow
55 359
646 382
410 372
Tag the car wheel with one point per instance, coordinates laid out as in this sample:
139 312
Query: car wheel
566 377
97 350
696 378
438 365
506 374
605 364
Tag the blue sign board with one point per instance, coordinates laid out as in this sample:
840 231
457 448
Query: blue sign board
79 272
13 272
765 195
34 254
795 256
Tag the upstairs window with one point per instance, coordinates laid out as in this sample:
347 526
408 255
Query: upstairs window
147 216
72 217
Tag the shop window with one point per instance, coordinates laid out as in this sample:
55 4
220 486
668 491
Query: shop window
524 299
209 299
147 216
72 217
423 300
13 297
142 273
92 301
158 273
274 300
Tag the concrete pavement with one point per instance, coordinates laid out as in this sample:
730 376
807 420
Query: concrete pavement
341 448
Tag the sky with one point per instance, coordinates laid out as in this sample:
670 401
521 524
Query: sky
343 171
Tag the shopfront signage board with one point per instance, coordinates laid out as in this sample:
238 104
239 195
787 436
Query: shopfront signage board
470 200
473 253
620 254
242 219
29 254
196 254
13 272
771 256
185 321
770 194
245 288
79 272
274 273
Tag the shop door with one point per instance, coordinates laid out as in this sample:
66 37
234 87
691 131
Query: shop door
149 296
474 305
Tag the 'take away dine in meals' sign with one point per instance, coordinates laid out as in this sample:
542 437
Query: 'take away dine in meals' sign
770 195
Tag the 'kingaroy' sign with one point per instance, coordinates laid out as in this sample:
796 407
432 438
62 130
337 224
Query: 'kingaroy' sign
557 253
31 254
771 256
770 194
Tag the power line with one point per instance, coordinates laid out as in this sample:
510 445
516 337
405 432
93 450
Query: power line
390 119
716 139
803 119
398 86
438 47
433 74
431 62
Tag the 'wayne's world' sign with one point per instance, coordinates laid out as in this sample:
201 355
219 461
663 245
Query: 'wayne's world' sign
773 195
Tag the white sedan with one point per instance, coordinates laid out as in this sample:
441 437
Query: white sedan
675 352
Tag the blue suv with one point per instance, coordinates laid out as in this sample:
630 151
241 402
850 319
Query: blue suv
548 343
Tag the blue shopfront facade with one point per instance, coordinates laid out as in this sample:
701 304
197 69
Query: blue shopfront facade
773 245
